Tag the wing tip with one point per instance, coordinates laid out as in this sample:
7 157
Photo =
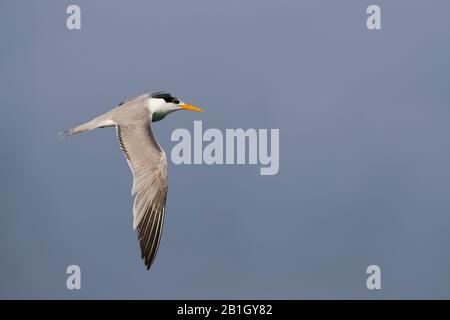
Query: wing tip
148 263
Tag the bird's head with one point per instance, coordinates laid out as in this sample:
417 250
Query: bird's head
163 103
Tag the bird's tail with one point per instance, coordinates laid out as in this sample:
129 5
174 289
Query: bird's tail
99 122
81 128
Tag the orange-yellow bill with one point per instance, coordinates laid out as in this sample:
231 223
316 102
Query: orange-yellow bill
191 107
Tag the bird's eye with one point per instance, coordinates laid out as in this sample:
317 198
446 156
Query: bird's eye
176 101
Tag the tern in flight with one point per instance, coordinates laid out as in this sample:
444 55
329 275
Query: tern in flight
145 157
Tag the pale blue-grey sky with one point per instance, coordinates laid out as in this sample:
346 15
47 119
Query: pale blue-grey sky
364 148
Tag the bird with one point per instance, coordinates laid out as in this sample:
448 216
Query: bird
132 119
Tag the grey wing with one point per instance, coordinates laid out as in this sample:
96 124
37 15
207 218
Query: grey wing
149 166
